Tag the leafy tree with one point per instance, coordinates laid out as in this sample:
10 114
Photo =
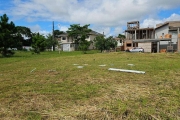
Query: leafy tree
79 34
18 44
24 37
24 31
38 43
111 43
57 32
7 35
50 42
26 34
84 45
102 43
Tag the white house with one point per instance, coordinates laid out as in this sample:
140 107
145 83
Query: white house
119 42
65 42
171 28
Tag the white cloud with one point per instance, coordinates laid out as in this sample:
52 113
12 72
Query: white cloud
117 31
62 28
103 14
173 17
37 29
101 29
100 12
44 32
152 22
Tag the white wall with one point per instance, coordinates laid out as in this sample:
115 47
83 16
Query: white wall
159 31
27 47
66 47
67 40
91 38
119 44
174 36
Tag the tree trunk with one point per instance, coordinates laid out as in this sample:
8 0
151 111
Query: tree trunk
53 47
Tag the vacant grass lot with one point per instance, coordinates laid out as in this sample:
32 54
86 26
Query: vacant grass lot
50 86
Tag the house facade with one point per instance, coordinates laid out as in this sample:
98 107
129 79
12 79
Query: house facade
168 28
120 44
139 37
163 37
67 43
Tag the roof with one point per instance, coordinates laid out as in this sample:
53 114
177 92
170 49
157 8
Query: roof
91 33
95 33
161 24
170 23
63 35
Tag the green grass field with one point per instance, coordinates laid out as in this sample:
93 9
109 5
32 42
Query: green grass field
49 86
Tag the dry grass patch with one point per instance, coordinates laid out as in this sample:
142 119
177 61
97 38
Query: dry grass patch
57 89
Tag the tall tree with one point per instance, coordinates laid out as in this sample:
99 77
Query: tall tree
79 34
102 43
111 43
57 32
24 31
7 35
24 36
38 43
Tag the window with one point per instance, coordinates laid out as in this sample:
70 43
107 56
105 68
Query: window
129 45
63 38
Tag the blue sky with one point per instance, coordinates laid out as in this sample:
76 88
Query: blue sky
108 16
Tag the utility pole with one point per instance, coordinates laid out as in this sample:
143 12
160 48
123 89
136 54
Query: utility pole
178 40
53 36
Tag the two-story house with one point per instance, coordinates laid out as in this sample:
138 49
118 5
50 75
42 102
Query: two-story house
67 43
139 37
163 37
172 28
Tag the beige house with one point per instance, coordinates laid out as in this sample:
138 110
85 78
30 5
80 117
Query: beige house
67 43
